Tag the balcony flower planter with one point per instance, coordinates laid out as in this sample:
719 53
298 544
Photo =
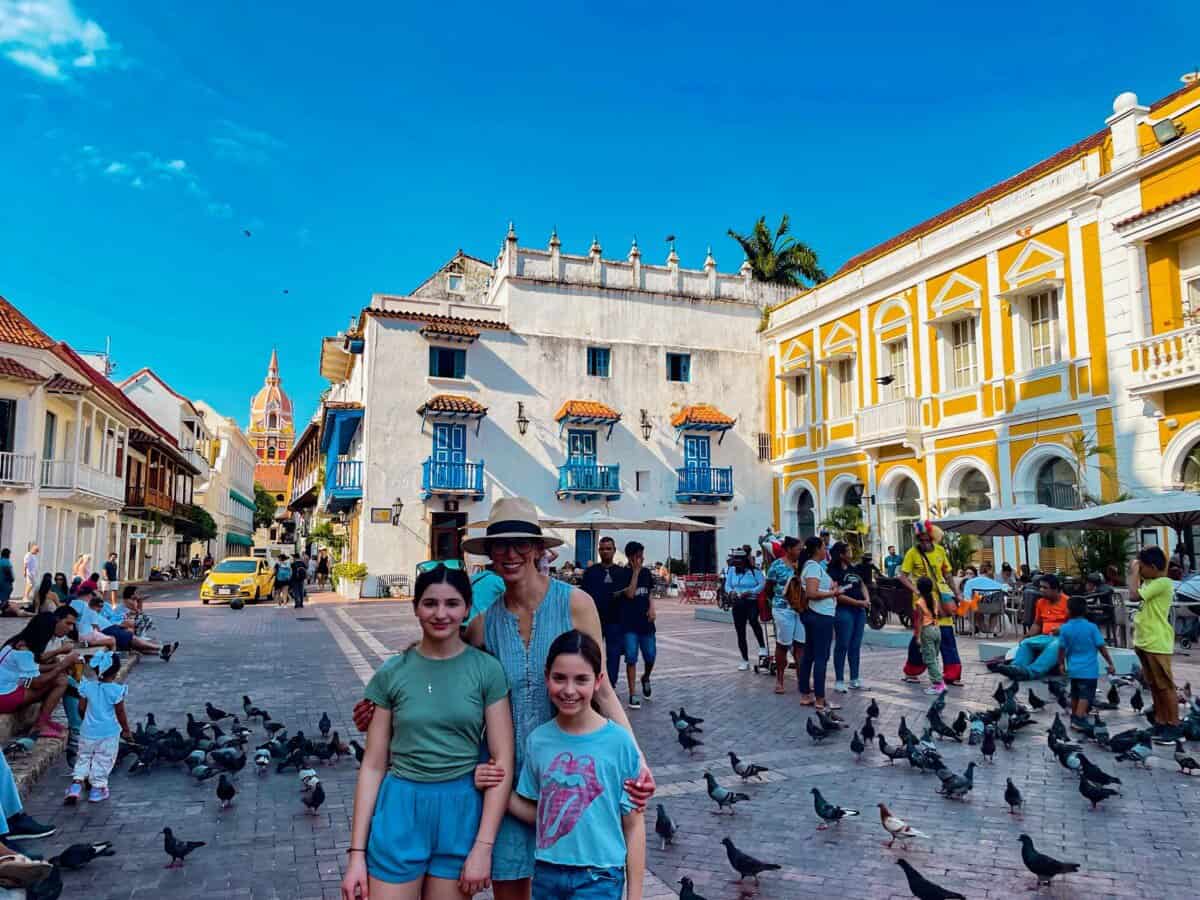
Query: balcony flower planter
349 578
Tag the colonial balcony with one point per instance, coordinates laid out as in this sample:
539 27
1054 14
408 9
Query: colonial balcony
140 497
585 481
704 484
343 484
451 479
302 484
891 422
16 469
68 479
1165 361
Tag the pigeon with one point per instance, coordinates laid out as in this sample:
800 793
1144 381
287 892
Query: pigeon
978 727
1187 763
892 753
691 720
830 721
924 889
988 747
177 849
272 728
359 750
231 759
308 778
246 232
314 799
1035 702
204 773
961 723
936 707
1099 730
904 733
240 731
721 796
196 730
868 731
79 855
1068 759
1138 754
681 725
956 787
295 760
145 760
49 888
1094 773
324 725
687 890
745 864
897 827
324 752
1113 697
941 729
215 714
262 760
1094 792
747 770
1043 866
1012 796
872 709
857 747
689 743
1123 742
1000 694
1136 701
815 731
226 792
665 827
828 812
247 707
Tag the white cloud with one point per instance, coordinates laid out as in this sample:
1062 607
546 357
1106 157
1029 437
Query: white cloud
116 168
239 143
220 210
176 165
142 170
51 38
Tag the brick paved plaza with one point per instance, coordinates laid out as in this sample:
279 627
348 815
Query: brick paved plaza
298 665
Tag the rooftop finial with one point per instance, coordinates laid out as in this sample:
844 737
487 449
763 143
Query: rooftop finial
633 248
709 262
554 241
595 248
512 231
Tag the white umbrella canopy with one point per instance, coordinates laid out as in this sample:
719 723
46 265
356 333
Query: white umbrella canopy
677 523
1176 510
597 520
1001 521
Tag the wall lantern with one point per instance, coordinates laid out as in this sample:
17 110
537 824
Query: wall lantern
522 419
397 508
1166 131
646 426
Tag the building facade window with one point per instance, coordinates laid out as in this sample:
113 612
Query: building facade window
455 283
841 389
1189 275
896 354
963 354
800 398
49 436
1043 329
447 362
679 367
8 425
599 361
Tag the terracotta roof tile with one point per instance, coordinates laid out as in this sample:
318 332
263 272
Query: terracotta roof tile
452 403
60 384
272 478
586 409
701 414
453 329
10 368
1154 209
16 328
434 319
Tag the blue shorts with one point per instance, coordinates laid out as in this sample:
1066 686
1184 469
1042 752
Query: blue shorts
124 638
647 643
422 828
554 882
788 627
1084 689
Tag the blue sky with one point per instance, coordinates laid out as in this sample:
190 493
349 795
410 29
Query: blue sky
363 146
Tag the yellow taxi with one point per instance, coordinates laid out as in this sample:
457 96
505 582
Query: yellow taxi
244 577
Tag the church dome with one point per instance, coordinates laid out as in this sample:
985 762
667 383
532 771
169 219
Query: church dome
271 408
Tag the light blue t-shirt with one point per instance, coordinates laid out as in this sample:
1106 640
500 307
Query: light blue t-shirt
100 719
826 606
981 583
486 588
780 573
79 606
115 616
748 582
1081 639
90 620
578 783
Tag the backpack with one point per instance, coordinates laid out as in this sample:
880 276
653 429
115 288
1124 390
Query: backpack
284 573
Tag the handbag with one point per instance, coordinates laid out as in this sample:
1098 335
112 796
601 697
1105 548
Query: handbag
795 595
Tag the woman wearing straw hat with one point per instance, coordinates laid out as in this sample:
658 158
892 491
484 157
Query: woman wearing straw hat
518 630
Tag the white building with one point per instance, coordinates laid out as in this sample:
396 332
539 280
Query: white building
228 491
579 382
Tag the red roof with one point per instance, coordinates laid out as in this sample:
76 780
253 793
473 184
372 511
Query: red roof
60 384
701 414
452 329
271 477
16 328
452 403
433 319
586 409
1154 209
10 368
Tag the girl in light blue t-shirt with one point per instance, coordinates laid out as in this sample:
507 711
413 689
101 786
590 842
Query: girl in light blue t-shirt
590 839
102 705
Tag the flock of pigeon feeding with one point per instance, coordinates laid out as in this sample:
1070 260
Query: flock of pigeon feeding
1000 724
207 751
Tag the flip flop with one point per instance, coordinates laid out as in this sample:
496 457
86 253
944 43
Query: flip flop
780 689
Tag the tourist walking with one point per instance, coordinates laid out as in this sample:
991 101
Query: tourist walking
283 578
600 583
789 632
927 558
743 584
322 569
296 582
850 618
29 568
820 606
637 620
110 583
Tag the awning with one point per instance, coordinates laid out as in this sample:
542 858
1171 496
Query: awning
241 498
453 406
240 540
10 368
701 417
586 412
449 332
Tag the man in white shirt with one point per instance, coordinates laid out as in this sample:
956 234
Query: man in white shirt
31 571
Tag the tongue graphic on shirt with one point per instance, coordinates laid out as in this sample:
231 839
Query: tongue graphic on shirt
568 789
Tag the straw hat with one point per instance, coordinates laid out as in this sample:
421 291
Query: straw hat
514 518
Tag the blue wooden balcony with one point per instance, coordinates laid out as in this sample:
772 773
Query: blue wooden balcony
343 484
704 484
585 481
451 479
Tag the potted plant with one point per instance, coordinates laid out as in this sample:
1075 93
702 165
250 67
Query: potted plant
350 577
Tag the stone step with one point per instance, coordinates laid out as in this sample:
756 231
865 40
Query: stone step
1122 658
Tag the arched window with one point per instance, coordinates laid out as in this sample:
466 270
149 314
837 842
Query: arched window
1191 469
973 492
271 452
272 421
1056 484
908 511
806 519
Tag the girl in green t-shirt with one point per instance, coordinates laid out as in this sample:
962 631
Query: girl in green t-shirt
421 828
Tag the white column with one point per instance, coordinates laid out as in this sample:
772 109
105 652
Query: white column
1135 256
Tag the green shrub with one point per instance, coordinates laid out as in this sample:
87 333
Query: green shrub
350 571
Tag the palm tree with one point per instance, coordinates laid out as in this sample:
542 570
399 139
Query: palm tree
779 258
1083 448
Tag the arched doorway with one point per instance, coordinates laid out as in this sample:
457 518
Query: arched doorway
1190 481
908 512
1057 486
806 515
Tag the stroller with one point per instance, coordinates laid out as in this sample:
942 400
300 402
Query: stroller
767 621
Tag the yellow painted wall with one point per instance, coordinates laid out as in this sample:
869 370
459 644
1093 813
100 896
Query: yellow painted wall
987 455
772 387
1097 326
963 440
1182 405
1057 239
960 406
1045 425
842 432
1110 485
1171 182
1190 120
1040 387
1162 280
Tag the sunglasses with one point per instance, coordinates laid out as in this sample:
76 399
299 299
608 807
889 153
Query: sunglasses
501 545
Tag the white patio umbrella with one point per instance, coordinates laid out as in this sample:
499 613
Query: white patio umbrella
1001 521
680 524
1176 510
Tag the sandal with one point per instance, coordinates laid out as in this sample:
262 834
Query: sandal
780 689
807 700
827 707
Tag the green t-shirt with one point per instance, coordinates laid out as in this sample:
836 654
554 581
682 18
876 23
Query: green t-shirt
1152 629
437 710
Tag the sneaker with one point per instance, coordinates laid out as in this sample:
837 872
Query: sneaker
168 650
18 870
635 702
97 795
840 687
856 684
50 730
27 828
74 792
743 666
646 686
1167 735
935 689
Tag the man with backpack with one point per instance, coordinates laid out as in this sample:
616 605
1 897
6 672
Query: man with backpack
283 576
296 583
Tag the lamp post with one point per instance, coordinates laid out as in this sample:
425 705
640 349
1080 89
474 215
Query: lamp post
646 426
397 508
522 419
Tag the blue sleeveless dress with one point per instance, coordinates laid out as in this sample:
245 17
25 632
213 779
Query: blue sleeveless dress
512 857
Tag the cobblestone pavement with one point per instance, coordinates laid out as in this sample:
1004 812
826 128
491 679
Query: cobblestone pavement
300 664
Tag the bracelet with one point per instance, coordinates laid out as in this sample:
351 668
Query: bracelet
350 850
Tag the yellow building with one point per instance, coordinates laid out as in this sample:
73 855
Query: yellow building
975 359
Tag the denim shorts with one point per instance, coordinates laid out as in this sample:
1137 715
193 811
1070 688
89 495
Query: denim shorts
646 642
788 627
1084 689
123 638
422 828
555 882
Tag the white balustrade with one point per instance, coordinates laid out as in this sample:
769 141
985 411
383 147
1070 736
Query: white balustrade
1169 356
16 468
895 418
66 474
